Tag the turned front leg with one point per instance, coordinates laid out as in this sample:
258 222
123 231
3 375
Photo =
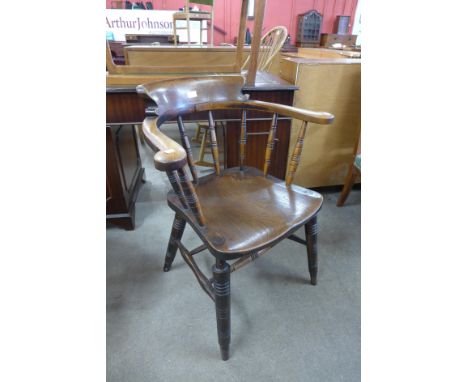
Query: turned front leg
222 290
176 234
311 230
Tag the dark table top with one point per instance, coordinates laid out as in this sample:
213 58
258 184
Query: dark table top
264 81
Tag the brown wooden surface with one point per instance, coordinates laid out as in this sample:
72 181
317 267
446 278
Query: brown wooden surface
146 69
333 85
182 56
257 36
124 107
241 34
246 212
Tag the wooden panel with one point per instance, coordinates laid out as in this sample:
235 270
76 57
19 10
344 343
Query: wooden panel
127 153
181 57
117 201
124 108
335 88
124 175
317 53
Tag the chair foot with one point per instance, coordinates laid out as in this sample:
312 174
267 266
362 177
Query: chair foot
222 289
311 230
225 354
313 277
176 234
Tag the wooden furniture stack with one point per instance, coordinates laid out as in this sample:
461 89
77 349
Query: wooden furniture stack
188 15
234 212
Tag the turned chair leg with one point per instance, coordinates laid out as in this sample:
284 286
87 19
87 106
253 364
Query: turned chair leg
176 234
311 230
222 289
349 181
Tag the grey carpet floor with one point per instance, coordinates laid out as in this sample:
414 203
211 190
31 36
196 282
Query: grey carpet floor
162 327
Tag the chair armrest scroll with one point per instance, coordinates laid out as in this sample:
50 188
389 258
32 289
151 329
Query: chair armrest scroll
170 156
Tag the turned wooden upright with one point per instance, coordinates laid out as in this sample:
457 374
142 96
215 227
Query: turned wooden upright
238 213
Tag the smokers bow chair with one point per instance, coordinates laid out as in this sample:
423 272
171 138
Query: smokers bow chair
238 213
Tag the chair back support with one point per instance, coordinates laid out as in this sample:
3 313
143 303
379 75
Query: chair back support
175 98
270 45
182 94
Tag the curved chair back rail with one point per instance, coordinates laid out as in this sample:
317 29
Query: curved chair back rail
180 94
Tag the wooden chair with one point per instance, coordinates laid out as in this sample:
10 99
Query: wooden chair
238 213
200 16
353 170
270 45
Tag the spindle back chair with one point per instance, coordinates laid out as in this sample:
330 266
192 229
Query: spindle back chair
238 213
270 44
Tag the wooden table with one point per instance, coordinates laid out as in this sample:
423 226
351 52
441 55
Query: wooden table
124 170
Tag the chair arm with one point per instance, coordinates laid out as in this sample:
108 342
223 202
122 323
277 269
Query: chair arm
320 117
170 156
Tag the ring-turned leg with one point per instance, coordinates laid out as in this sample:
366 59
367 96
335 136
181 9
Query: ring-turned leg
311 230
176 234
222 290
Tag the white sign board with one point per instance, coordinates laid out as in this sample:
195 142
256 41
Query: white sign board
140 21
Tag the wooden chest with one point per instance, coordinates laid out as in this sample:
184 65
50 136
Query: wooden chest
328 39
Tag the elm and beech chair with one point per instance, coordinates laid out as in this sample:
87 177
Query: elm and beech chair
238 213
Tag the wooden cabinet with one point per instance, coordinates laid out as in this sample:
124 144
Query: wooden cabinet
124 171
328 39
124 175
334 86
309 26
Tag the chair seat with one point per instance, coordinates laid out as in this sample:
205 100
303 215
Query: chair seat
246 212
